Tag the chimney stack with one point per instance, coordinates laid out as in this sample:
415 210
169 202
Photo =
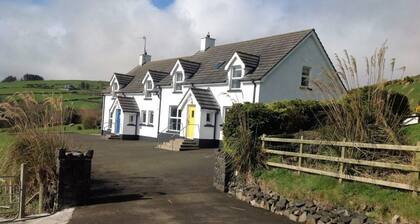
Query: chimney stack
207 42
144 58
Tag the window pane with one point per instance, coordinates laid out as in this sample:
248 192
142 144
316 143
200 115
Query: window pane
235 84
149 85
304 81
236 72
148 94
208 118
178 77
150 117
178 87
173 111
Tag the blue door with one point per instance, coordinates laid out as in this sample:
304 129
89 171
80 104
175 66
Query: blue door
117 121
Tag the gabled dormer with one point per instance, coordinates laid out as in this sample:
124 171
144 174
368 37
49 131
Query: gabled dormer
182 70
150 82
239 65
119 81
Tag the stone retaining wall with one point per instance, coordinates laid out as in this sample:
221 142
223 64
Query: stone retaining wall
301 211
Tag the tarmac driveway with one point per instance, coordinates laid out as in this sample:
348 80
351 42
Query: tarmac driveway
135 183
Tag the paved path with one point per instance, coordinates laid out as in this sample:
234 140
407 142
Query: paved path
135 183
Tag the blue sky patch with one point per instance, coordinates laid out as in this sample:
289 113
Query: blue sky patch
162 4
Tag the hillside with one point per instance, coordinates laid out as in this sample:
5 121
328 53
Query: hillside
77 93
409 86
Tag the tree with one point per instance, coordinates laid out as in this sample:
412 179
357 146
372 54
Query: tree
9 79
31 77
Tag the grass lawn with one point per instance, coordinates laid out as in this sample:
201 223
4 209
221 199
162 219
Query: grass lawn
385 202
412 90
413 133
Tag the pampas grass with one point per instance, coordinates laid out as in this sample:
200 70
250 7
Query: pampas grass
38 129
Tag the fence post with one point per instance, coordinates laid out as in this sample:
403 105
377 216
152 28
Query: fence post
300 154
263 142
416 175
22 191
341 171
11 190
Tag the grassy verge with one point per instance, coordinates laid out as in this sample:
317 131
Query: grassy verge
413 133
80 130
384 203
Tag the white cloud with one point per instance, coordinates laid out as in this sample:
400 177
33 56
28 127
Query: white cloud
81 39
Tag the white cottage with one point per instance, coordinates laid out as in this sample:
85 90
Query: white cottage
184 100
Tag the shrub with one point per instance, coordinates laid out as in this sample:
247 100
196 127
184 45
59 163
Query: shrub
9 79
31 77
91 119
245 123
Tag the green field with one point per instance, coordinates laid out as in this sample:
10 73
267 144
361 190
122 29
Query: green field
87 98
411 90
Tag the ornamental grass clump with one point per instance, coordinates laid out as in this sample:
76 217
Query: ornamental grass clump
38 130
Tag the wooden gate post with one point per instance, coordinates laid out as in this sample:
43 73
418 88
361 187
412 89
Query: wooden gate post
416 175
22 191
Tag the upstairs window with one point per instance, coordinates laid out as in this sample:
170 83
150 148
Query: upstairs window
235 78
114 88
149 88
178 82
305 76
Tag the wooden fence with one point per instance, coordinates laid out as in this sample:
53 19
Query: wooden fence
413 169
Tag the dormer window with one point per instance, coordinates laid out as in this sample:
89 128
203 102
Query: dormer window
235 78
114 88
178 82
148 89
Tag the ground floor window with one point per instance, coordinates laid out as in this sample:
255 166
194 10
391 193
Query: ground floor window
150 116
143 116
174 118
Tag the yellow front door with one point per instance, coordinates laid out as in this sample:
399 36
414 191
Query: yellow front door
191 121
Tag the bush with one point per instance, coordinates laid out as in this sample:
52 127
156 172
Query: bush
283 117
72 116
245 123
9 79
31 77
91 119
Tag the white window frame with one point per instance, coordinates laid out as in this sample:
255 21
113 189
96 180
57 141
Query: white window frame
114 88
151 117
306 74
148 89
177 118
178 82
237 78
143 116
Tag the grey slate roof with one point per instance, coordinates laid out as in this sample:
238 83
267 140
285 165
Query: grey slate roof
205 98
251 61
123 79
189 67
157 76
128 104
269 50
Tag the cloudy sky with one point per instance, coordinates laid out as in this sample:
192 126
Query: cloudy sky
91 39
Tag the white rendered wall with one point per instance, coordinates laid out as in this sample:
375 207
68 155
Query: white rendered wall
284 82
148 130
106 107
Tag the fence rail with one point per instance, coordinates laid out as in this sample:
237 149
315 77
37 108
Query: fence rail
413 169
